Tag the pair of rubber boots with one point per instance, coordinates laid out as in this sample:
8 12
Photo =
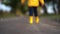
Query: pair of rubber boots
31 19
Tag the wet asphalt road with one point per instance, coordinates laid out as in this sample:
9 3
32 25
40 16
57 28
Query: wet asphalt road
20 25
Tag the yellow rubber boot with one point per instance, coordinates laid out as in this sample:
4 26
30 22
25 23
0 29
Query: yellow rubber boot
37 20
31 19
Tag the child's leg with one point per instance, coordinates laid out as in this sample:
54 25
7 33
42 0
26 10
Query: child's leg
31 15
36 14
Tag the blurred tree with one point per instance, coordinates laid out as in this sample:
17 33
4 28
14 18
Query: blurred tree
47 1
14 4
53 3
6 2
45 9
24 8
58 6
1 13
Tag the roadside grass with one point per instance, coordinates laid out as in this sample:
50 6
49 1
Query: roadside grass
7 15
52 16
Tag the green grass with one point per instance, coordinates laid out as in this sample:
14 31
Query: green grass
52 16
7 15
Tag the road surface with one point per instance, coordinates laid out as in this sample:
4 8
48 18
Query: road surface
20 25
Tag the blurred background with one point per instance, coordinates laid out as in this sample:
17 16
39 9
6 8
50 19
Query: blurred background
14 18
14 8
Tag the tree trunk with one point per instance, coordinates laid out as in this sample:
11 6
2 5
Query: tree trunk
1 13
45 9
58 6
13 10
54 1
14 4
59 11
54 9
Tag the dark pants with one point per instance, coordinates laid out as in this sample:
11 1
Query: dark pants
33 10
